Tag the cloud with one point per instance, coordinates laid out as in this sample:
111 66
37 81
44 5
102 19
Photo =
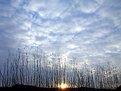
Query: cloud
48 8
85 29
88 6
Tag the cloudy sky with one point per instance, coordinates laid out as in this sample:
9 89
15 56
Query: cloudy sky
87 29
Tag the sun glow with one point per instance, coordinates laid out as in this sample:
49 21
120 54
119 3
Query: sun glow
63 86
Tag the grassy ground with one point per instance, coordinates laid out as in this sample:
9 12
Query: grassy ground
32 88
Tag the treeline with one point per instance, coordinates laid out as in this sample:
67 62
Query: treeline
42 70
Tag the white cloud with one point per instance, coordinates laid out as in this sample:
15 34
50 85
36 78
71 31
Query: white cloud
48 8
86 29
71 46
88 6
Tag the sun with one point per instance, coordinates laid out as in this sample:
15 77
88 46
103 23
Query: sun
63 86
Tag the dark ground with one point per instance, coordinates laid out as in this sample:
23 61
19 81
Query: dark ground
32 88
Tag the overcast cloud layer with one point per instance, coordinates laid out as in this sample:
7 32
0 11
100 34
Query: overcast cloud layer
87 29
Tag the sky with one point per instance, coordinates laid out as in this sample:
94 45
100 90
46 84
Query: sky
89 30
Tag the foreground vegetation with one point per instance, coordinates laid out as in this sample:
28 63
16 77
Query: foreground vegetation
49 71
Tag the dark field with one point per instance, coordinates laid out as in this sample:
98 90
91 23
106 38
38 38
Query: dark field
32 88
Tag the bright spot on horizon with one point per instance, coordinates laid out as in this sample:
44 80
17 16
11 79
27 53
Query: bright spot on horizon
63 86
